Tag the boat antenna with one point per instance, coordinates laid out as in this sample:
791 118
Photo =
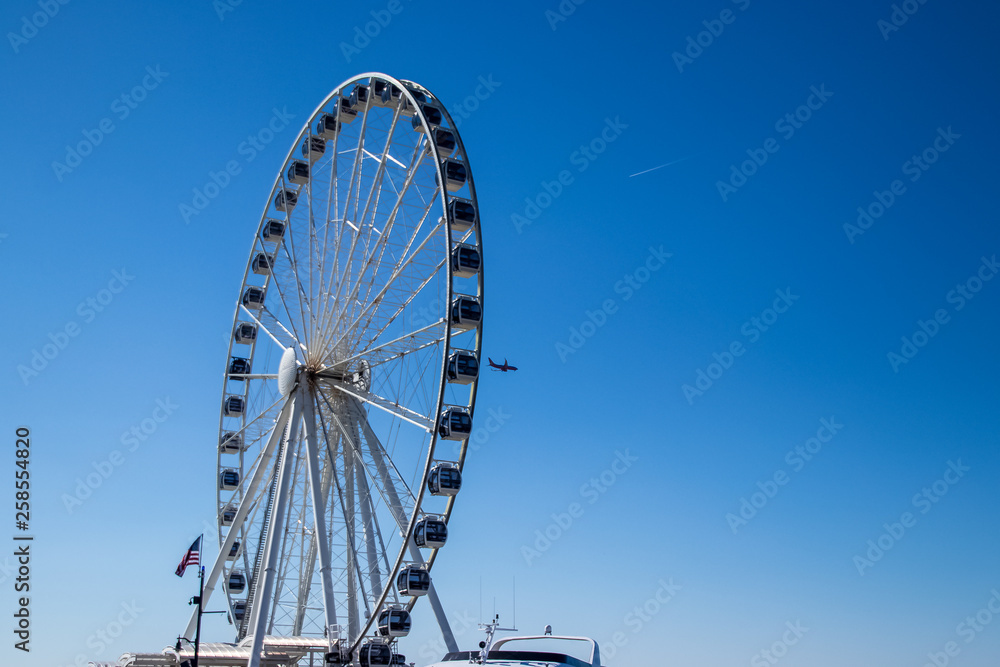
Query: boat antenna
514 594
490 629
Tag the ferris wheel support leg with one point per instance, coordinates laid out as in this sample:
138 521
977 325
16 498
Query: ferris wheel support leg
241 513
258 618
432 597
371 552
354 578
376 450
319 519
377 453
442 619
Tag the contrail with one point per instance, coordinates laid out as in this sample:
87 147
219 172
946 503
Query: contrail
667 164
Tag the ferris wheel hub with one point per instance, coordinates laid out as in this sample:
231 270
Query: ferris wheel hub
288 371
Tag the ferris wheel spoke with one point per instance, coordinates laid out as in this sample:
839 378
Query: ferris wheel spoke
362 339
355 180
377 452
333 206
399 270
301 297
381 244
354 188
405 260
359 425
411 170
385 404
290 342
398 348
312 242
256 421
273 318
295 266
400 308
359 421
373 192
370 519
415 162
355 176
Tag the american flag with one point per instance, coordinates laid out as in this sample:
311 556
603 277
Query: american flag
190 558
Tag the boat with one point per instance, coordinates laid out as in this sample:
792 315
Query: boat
521 651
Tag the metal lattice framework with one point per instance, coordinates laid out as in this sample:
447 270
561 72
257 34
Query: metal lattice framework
351 377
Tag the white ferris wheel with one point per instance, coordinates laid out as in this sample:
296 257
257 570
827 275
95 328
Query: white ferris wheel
351 378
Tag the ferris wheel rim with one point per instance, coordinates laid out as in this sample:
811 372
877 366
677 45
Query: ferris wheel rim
463 450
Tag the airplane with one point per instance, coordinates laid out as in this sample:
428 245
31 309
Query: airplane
506 367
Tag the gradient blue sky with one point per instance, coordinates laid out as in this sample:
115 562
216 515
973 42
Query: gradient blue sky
664 518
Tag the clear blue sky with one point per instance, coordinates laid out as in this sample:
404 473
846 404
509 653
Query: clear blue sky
850 296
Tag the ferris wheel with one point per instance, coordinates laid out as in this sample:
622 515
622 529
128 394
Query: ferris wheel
350 382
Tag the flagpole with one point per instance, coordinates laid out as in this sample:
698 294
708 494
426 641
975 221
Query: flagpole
201 594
